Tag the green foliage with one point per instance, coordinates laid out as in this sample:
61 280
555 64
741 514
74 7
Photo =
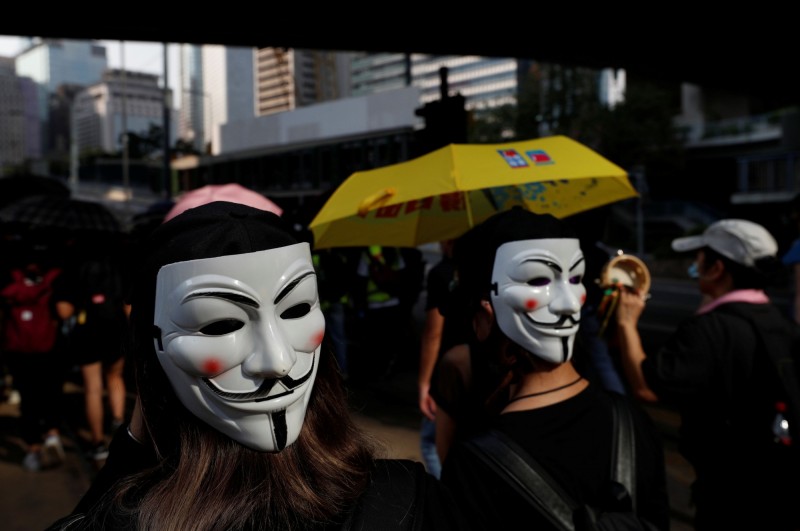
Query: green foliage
146 146
185 147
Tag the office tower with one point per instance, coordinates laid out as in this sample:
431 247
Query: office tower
122 101
19 118
217 85
485 82
194 125
291 78
51 63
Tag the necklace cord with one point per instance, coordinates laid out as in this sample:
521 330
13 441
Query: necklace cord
540 393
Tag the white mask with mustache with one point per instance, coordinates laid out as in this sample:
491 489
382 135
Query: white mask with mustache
240 341
538 293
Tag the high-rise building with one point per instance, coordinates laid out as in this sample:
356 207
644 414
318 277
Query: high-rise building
123 102
19 117
51 63
194 124
217 85
291 78
485 82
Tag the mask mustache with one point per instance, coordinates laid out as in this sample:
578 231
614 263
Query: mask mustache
570 320
262 393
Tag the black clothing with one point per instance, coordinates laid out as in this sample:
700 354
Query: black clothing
39 379
713 370
401 496
439 295
462 384
94 287
572 441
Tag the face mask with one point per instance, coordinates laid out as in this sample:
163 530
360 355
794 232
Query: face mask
539 294
693 272
239 341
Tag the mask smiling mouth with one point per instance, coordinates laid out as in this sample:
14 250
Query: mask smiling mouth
262 393
564 323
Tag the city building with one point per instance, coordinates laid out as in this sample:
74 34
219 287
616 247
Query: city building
296 156
217 86
290 78
485 82
194 125
122 101
51 63
20 128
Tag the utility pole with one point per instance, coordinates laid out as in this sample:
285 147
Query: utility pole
126 182
166 168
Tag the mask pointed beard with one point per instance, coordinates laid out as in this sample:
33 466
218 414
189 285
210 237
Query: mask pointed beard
279 429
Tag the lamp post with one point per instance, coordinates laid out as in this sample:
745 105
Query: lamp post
125 154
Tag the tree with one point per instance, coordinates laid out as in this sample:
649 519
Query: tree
146 146
565 100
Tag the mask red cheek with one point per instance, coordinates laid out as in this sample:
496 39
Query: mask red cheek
316 340
583 299
531 304
212 366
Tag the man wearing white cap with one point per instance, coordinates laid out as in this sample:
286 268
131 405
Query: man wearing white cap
715 371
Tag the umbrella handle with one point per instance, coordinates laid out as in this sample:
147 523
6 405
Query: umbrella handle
370 202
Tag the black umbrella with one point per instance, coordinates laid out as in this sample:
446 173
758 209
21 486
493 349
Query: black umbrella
63 214
16 187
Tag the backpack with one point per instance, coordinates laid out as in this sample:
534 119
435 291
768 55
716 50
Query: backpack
779 422
30 325
544 493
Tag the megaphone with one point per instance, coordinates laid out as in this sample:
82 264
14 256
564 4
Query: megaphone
622 271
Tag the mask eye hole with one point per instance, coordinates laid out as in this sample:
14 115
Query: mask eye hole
296 311
575 279
220 328
539 282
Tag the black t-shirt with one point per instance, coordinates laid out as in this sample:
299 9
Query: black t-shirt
439 295
572 441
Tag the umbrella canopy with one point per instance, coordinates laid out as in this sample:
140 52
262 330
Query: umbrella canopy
232 192
54 213
16 187
441 195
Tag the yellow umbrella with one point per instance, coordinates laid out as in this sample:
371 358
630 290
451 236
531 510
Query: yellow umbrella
442 194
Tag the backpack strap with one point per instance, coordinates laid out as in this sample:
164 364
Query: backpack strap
524 474
623 446
527 477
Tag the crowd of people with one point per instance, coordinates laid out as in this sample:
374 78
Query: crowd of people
242 339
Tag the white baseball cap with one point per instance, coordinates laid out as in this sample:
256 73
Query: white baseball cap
741 240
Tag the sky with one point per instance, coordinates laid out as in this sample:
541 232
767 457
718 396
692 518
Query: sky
138 56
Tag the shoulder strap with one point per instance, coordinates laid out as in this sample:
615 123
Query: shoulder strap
525 475
623 446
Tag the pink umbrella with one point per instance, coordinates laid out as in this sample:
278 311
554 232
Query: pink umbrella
235 193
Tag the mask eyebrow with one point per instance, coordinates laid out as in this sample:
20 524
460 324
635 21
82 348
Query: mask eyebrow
576 264
233 297
548 263
285 291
